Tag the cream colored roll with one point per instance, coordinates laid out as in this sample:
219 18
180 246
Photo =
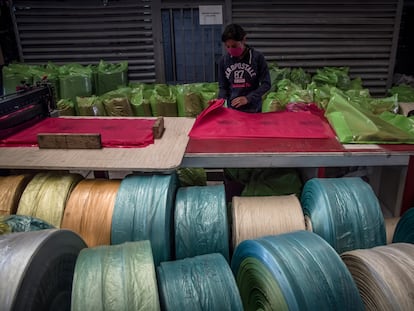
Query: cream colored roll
384 276
11 190
46 194
390 225
90 208
254 217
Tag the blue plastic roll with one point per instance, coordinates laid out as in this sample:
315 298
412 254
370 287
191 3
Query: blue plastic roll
200 220
144 211
404 232
201 283
345 212
308 272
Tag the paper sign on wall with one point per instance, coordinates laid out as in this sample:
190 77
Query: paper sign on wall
210 14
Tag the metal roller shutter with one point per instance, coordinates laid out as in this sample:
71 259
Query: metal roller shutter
361 35
87 31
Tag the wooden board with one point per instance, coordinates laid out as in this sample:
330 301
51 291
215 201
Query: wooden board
69 141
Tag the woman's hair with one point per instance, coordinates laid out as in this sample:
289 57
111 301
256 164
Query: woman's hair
233 32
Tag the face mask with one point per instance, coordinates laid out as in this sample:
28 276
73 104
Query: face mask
235 52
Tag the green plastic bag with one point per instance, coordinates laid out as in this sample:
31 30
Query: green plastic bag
111 76
355 124
117 102
90 106
163 101
66 107
15 75
141 107
189 102
75 81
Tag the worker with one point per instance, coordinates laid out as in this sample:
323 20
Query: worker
243 75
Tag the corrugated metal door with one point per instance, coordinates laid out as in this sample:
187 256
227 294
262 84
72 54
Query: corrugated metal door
191 50
86 32
361 35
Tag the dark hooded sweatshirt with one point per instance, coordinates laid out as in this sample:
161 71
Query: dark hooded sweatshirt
248 76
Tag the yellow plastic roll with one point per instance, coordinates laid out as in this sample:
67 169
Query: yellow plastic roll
45 196
90 208
384 276
11 190
255 217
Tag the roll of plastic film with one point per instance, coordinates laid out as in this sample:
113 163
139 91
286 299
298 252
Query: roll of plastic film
37 269
45 196
384 276
116 277
199 283
254 217
293 271
404 232
11 190
21 223
144 211
90 208
200 221
345 212
390 226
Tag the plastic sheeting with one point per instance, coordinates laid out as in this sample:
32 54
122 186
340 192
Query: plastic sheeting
220 122
354 123
201 225
37 269
114 278
293 271
345 212
144 211
200 283
115 133
404 232
45 196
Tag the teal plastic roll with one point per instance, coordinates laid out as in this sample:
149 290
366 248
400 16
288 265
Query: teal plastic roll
199 283
345 212
116 277
37 269
21 223
144 211
293 271
404 232
201 225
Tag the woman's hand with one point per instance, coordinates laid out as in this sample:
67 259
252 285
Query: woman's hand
239 101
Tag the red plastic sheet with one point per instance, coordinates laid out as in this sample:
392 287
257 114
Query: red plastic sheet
220 122
120 133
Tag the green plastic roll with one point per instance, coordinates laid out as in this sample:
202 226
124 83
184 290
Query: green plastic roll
45 196
116 277
201 283
293 271
345 212
144 211
404 232
21 223
201 225
37 269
